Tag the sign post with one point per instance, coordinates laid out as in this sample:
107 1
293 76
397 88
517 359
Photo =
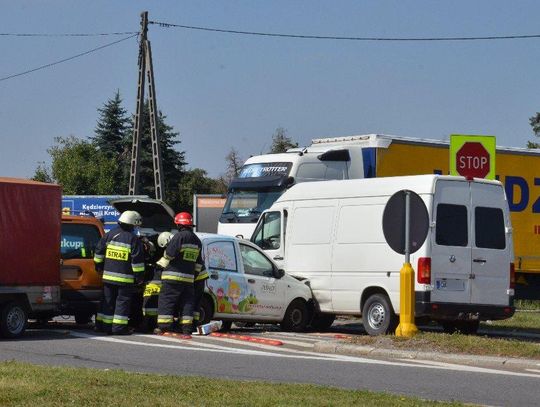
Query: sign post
472 156
405 226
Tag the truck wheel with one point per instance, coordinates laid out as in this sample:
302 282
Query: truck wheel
206 310
378 316
296 317
464 327
322 322
13 320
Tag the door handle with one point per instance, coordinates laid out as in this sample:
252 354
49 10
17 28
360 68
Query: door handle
472 276
480 261
251 280
278 257
214 276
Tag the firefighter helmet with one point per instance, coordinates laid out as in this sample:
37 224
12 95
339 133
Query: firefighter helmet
184 219
130 218
164 238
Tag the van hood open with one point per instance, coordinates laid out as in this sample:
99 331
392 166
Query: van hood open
157 216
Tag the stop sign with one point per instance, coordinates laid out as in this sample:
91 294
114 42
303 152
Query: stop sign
472 160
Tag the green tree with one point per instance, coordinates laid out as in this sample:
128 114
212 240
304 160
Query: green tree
234 164
80 167
535 124
173 160
43 173
112 137
196 181
281 142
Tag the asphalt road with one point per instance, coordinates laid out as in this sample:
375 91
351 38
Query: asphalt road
294 361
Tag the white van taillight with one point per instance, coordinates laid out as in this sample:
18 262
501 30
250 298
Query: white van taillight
423 271
512 276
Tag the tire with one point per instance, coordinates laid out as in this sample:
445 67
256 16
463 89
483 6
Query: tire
463 327
83 318
206 310
13 320
322 322
378 316
296 317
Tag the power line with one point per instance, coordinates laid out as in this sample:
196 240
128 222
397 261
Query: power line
67 59
66 34
328 37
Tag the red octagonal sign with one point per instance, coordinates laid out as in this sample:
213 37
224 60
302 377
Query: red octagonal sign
472 160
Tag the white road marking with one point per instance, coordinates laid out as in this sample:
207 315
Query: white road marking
533 370
425 364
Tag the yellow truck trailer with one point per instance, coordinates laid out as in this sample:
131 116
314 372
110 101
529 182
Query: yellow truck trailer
517 168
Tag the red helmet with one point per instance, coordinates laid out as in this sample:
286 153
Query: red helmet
184 219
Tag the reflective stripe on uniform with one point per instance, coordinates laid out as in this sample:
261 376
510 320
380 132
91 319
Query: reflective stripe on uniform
165 319
152 312
120 320
174 276
137 268
118 277
202 276
99 258
186 319
106 319
196 316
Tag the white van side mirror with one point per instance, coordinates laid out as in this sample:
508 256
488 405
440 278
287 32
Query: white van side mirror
279 273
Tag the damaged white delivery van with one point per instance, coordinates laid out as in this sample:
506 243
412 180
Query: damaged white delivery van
331 234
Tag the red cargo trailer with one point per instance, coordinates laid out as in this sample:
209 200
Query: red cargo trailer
30 222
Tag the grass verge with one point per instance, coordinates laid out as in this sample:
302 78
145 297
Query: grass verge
455 343
23 384
522 321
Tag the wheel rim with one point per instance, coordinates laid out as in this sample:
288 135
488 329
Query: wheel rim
376 315
296 317
15 320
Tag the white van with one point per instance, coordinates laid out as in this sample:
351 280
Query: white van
331 234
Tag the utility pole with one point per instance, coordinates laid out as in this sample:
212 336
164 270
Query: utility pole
146 69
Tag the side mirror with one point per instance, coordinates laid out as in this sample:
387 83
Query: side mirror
279 273
290 182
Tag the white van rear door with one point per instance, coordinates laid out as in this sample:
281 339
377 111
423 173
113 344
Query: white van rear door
491 249
451 243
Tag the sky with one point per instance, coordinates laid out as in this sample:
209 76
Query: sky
223 91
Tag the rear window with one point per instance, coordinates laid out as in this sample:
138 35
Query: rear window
78 241
451 225
489 228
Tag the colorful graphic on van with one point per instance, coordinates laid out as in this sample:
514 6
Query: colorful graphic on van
232 296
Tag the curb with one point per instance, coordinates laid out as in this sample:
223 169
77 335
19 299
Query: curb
471 360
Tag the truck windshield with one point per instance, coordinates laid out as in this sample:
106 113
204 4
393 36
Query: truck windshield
245 206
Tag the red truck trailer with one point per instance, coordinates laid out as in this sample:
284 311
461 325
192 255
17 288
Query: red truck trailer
30 222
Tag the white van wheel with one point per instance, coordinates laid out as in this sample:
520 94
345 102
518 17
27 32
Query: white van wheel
13 320
378 316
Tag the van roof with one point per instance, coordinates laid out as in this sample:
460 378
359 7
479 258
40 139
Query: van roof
384 186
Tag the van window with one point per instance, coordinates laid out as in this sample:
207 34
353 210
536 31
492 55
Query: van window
489 228
451 225
268 233
78 241
221 256
322 171
255 262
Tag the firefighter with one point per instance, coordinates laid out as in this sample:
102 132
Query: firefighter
152 288
179 263
119 256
